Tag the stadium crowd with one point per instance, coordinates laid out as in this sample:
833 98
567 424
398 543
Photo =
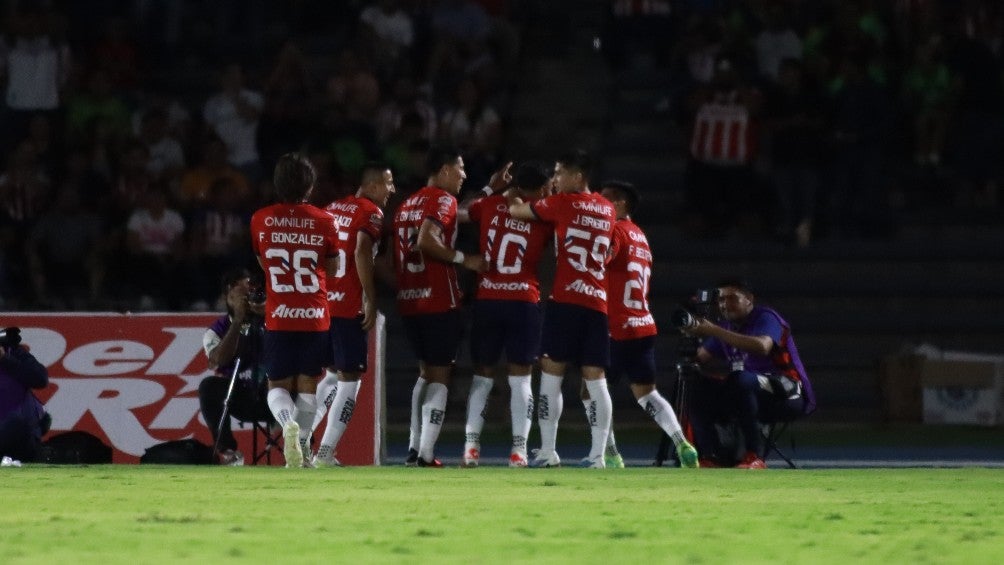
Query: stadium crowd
135 137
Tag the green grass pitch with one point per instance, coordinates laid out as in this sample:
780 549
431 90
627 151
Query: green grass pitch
171 514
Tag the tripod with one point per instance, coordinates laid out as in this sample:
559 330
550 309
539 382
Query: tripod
248 340
685 368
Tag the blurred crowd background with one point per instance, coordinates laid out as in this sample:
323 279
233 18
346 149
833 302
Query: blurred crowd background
136 137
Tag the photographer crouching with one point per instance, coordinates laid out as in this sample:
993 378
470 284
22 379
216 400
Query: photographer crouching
23 420
750 371
234 341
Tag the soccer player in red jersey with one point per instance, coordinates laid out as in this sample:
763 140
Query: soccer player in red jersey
351 302
428 295
575 320
506 308
296 246
632 327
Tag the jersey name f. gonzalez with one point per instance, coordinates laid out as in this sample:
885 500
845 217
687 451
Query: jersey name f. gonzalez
425 287
583 223
294 242
628 274
512 248
356 217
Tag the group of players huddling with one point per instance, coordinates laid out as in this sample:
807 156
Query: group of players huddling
320 303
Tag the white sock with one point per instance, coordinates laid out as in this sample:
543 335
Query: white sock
521 408
549 405
281 404
600 417
338 417
306 408
433 411
611 450
326 390
477 400
662 412
415 431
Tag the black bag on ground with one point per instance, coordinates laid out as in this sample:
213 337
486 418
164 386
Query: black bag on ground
76 447
179 452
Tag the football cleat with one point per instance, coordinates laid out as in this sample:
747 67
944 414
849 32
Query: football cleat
412 460
751 461
471 457
543 459
614 461
326 461
435 463
291 444
593 462
230 457
687 455
518 460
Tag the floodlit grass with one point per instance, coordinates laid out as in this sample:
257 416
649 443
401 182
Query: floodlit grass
156 514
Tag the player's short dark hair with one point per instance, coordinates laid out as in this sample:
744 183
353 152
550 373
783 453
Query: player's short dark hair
624 190
577 160
438 156
294 177
531 175
372 169
736 282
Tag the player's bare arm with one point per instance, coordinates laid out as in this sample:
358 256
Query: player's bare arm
364 268
430 237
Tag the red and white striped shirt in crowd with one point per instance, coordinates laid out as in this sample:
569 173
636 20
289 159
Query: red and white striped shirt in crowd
724 133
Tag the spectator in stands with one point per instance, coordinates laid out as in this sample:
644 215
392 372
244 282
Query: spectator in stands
474 126
405 100
232 114
64 254
291 96
36 65
721 186
218 240
117 56
387 35
751 372
23 420
197 181
97 103
795 121
979 116
234 335
927 91
155 246
859 124
24 196
167 157
776 42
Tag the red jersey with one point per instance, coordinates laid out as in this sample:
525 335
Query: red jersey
628 274
512 248
425 287
293 242
354 216
583 222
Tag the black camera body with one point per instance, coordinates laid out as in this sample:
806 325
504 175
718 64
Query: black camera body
10 337
257 294
702 305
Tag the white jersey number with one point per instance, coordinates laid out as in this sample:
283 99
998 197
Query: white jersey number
576 243
640 282
343 258
296 276
521 243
